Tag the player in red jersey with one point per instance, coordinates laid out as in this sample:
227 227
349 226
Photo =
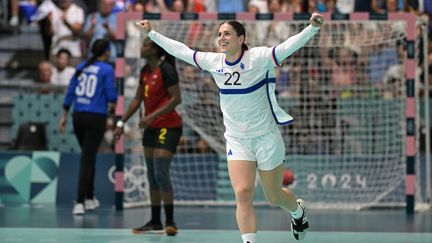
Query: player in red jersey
160 92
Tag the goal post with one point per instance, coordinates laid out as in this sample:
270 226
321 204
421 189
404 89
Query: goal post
352 90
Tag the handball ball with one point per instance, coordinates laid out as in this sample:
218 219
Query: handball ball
288 178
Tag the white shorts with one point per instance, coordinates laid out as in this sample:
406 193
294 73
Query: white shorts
267 150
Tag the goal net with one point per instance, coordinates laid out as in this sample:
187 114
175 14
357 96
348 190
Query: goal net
345 89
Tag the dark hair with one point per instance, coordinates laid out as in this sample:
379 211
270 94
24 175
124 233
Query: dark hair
65 51
162 53
239 29
99 47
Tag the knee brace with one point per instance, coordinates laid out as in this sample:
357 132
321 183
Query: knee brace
153 185
162 174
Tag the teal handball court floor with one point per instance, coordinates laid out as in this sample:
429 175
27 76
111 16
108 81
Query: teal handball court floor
199 224
198 236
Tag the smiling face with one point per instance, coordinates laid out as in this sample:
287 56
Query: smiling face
228 40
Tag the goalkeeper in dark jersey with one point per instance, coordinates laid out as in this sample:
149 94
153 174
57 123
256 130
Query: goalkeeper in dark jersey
92 93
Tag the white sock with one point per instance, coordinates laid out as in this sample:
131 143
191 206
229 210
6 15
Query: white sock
298 213
249 238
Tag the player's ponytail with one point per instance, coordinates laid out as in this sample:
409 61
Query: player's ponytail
239 29
99 48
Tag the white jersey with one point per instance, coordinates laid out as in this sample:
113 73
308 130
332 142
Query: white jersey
247 86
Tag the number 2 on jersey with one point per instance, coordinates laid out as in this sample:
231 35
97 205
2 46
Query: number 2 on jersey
162 137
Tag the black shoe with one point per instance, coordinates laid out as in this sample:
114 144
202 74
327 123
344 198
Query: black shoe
150 227
300 226
171 229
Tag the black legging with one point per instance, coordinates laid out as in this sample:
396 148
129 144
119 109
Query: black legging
89 130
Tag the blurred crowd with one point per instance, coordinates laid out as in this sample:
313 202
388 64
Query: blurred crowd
69 27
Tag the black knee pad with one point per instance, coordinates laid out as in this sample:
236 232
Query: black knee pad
153 185
162 174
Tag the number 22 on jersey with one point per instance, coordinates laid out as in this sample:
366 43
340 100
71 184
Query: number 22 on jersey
233 79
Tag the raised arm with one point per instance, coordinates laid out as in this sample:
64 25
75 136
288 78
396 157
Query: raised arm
288 47
175 48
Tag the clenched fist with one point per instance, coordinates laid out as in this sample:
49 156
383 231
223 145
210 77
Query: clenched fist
316 20
144 25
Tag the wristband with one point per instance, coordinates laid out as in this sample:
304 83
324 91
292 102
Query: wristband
120 124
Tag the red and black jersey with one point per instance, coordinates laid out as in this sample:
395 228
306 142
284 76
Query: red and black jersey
155 94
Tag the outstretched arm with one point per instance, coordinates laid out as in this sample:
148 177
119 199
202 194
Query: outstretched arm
288 47
175 48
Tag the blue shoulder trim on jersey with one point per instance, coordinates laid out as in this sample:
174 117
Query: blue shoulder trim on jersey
250 89
274 56
236 61
194 58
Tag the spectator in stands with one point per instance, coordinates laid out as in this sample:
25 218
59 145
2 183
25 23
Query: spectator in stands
231 6
123 5
381 57
277 31
159 90
157 6
385 6
252 8
296 6
178 6
93 95
195 6
43 17
378 6
392 6
62 71
14 18
343 67
345 6
210 5
189 6
66 24
45 72
101 24
328 6
258 6
394 75
133 40
44 79
312 6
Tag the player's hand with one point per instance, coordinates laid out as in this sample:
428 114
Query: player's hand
117 134
316 20
146 121
144 25
62 124
105 25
